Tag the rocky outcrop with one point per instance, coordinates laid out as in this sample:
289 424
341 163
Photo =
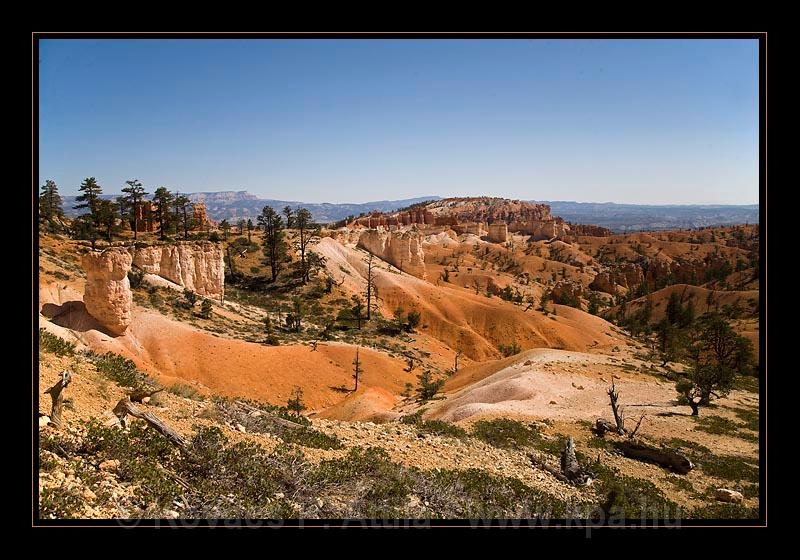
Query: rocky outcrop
107 295
589 230
197 266
567 291
498 233
402 249
627 275
727 495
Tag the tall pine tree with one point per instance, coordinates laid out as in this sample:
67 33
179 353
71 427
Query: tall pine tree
274 244
91 194
50 203
134 194
163 203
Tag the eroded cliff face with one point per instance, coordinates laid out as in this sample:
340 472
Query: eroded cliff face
197 266
402 249
107 295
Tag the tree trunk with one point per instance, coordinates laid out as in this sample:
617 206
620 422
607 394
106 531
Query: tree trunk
58 398
619 418
125 407
571 471
569 462
668 458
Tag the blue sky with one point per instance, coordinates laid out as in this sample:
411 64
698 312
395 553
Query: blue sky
635 121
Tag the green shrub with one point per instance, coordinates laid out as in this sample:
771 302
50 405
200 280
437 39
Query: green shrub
185 391
60 503
308 437
433 427
135 277
118 369
724 511
505 433
206 309
724 426
476 494
750 417
428 386
632 498
509 349
53 344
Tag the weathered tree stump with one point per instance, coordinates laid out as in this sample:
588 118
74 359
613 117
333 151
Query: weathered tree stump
571 471
56 394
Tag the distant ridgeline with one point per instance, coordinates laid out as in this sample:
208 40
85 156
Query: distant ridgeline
635 217
234 205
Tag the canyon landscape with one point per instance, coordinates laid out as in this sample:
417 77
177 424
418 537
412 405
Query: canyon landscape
485 335
422 281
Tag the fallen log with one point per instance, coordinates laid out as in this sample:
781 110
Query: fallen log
58 398
664 457
125 407
271 417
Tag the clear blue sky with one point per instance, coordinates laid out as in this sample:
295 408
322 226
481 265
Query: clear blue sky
637 121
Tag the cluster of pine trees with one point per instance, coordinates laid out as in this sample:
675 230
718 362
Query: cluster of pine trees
103 217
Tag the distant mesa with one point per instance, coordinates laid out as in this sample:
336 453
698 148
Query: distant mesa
496 218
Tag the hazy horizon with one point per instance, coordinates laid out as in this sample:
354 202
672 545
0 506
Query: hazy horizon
652 122
429 197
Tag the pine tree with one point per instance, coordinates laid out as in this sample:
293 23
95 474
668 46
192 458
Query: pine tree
249 229
134 194
357 371
107 217
274 245
289 213
182 204
163 203
50 203
306 231
225 226
91 194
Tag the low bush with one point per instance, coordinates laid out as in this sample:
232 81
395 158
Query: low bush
53 344
505 433
118 369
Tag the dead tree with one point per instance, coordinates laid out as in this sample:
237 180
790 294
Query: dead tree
125 407
371 288
571 470
58 398
619 416
570 466
668 458
636 428
455 362
282 422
